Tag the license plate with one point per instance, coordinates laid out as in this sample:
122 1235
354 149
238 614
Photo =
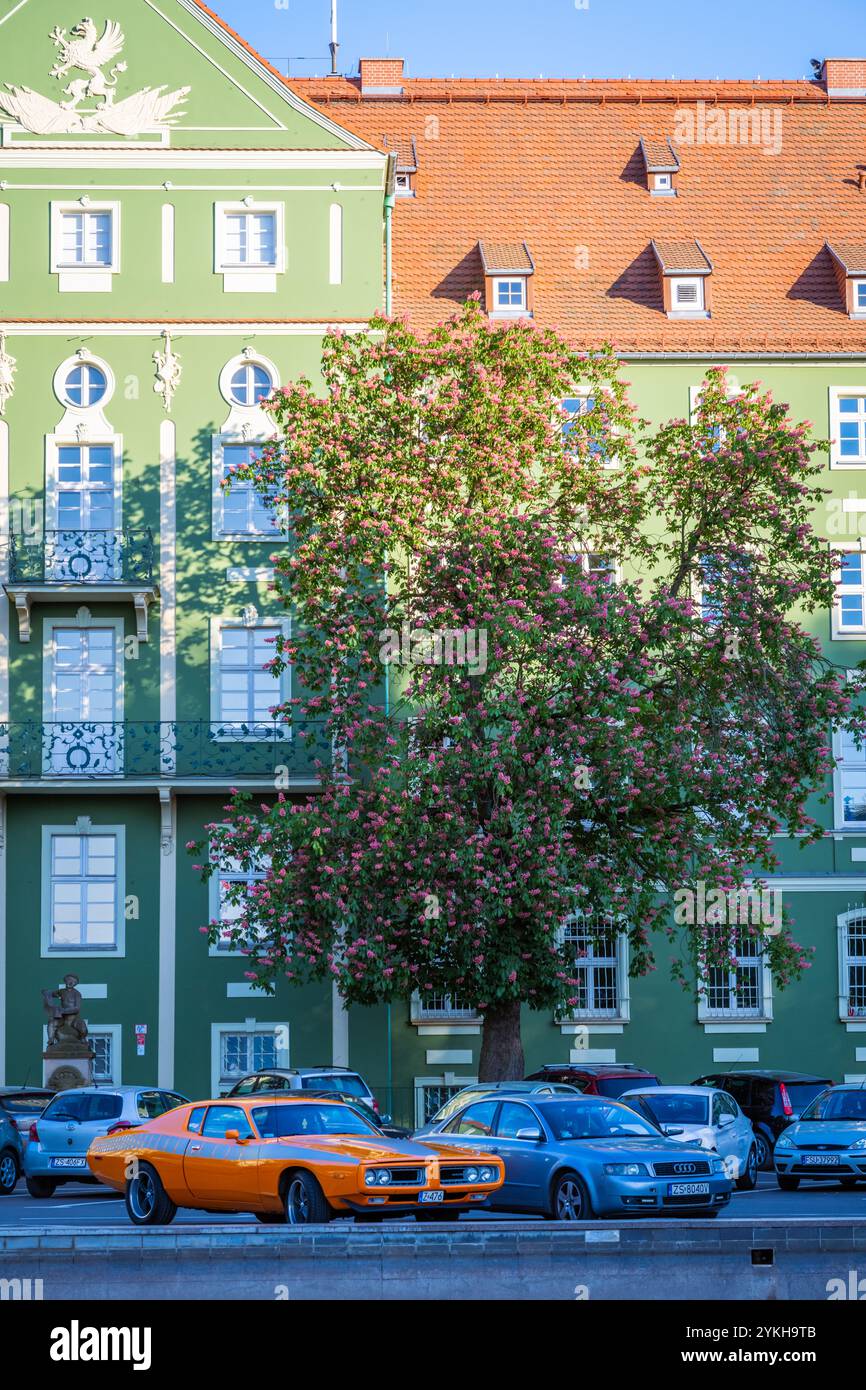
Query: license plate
689 1189
431 1196
822 1159
68 1163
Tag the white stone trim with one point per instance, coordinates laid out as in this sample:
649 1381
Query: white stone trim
339 1028
283 691
252 279
85 278
81 618
167 572
5 252
168 243
335 252
167 938
116 1032
834 394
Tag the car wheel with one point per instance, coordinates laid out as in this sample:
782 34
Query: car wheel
787 1183
569 1200
305 1201
147 1203
765 1150
750 1177
40 1187
8 1172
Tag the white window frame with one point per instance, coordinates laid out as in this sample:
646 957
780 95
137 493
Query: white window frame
853 763
95 279
584 397
215 907
849 633
219 444
419 1014
836 394
247 1027
404 189
698 310
512 311
249 279
858 286
283 688
735 1017
114 1031
662 185
602 1017
81 828
843 921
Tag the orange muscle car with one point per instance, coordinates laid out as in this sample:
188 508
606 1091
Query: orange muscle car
286 1159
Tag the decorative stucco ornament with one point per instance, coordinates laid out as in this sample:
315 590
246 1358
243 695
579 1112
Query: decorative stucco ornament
85 50
168 371
7 374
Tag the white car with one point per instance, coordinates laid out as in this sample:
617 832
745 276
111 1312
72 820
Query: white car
705 1116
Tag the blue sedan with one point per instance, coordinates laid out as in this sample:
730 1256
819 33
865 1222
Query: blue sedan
575 1158
828 1141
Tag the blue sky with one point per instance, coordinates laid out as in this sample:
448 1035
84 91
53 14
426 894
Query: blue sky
517 38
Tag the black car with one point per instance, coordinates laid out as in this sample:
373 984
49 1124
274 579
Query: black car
772 1100
382 1122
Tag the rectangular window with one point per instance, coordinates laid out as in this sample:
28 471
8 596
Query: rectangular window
105 1058
230 911
597 965
509 295
850 790
441 1006
849 614
250 238
243 1052
86 239
245 510
430 1098
738 991
247 692
847 427
83 891
854 966
860 296
403 186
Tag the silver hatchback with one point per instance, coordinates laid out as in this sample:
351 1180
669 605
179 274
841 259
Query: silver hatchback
60 1138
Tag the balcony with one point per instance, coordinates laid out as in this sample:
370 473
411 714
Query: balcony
104 565
189 751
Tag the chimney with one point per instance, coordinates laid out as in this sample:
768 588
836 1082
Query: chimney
844 77
381 77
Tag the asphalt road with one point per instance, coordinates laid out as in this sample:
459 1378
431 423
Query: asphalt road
79 1204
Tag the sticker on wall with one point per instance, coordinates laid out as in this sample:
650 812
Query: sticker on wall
140 1038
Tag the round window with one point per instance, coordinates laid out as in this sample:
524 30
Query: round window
85 385
250 384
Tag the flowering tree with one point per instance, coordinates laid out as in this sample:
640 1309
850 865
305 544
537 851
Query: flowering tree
563 665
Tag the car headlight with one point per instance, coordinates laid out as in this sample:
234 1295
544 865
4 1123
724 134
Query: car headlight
377 1177
486 1175
718 1165
470 1175
626 1170
859 1144
785 1141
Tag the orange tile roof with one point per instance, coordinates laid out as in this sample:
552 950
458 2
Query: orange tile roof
559 164
659 156
851 255
676 257
500 257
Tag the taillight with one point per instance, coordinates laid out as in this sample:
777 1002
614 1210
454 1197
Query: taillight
34 1134
121 1125
787 1107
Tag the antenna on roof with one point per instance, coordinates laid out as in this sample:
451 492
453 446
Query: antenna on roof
334 44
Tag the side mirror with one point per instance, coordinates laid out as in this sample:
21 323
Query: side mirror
725 1120
533 1134
673 1129
235 1134
384 1119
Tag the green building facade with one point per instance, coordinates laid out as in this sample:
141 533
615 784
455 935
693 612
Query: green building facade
178 228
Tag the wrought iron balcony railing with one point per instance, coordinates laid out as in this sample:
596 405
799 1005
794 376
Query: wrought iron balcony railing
82 557
191 749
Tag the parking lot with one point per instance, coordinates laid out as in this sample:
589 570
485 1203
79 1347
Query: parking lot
81 1204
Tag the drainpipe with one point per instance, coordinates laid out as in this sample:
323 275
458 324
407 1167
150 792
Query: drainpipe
390 199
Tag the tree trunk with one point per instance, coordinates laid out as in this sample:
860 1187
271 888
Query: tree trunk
501 1044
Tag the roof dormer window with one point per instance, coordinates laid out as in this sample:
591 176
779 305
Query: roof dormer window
662 166
508 270
685 272
849 266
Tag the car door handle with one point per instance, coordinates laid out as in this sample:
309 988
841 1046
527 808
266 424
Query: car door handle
194 1148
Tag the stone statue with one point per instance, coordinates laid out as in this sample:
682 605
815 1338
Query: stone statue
65 1024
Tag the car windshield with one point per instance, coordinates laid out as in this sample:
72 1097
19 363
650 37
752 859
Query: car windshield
582 1119
349 1085
285 1121
676 1110
615 1085
837 1105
